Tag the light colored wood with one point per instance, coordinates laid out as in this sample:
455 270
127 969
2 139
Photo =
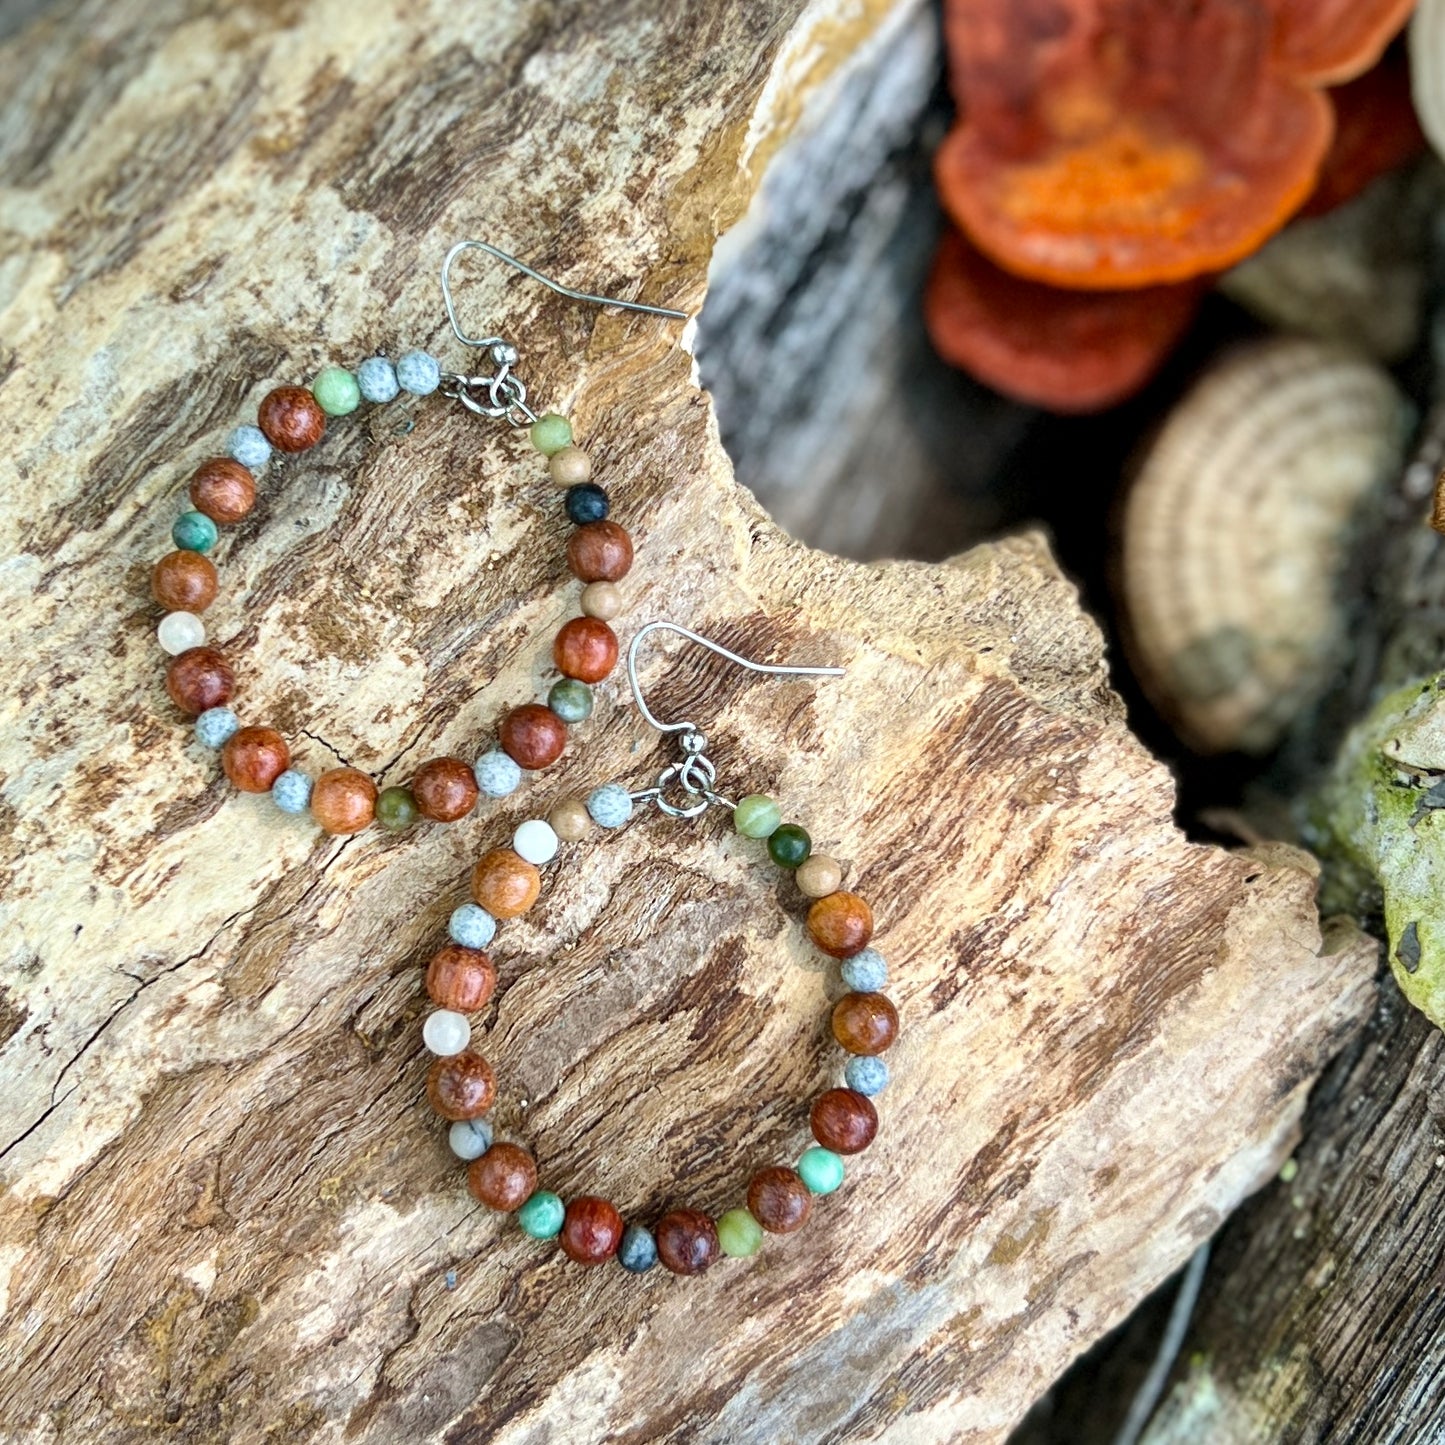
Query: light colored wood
227 1212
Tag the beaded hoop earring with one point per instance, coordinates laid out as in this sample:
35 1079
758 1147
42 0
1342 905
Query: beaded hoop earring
460 980
290 420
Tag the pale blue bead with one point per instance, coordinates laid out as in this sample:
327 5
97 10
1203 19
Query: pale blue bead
497 774
377 378
470 1138
638 1251
419 373
215 726
865 972
866 1076
291 792
248 445
610 805
472 927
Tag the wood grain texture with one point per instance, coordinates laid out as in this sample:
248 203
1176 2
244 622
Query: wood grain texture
227 1213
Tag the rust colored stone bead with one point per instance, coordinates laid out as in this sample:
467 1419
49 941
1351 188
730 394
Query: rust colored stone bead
600 552
460 978
591 1230
461 1086
505 884
779 1200
844 1121
865 1023
841 924
199 679
686 1241
184 582
445 789
291 418
533 736
504 1177
254 758
586 648
343 800
223 489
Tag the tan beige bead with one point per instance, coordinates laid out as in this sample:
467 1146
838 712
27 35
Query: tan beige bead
819 876
602 600
570 820
570 467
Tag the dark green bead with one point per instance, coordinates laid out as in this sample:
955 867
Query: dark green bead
396 809
194 532
570 700
789 846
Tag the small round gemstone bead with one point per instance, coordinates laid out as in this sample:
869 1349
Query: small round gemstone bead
254 758
461 1086
865 1023
472 927
585 649
535 841
586 503
461 979
248 445
821 1170
505 884
571 700
789 845
779 1200
686 1241
533 736
570 467
470 1138
542 1215
818 876
609 806
184 582
551 433
446 1032
291 418
638 1251
757 816
503 1178
602 600
497 775
445 789
844 1121
215 725
343 800
396 809
199 680
223 490
291 792
600 552
841 924
418 373
376 378
739 1234
179 632
865 972
570 820
866 1074
591 1230
337 391
194 532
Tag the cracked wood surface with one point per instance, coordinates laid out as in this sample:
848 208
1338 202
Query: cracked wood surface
225 1210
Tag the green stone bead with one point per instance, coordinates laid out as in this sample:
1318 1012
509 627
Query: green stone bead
551 433
396 809
337 391
821 1170
570 700
789 846
757 816
194 532
541 1216
739 1233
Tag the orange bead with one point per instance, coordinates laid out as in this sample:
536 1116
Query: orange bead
460 978
844 1121
865 1023
600 552
533 736
591 1230
505 884
223 489
291 418
445 789
504 1177
200 679
343 800
586 648
254 758
841 924
461 1086
184 582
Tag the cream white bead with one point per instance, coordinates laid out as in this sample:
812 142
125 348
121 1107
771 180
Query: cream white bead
446 1032
180 631
535 841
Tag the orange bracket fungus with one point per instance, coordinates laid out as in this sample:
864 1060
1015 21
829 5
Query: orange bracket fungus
1328 42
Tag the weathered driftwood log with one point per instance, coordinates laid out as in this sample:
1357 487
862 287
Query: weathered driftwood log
227 1210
